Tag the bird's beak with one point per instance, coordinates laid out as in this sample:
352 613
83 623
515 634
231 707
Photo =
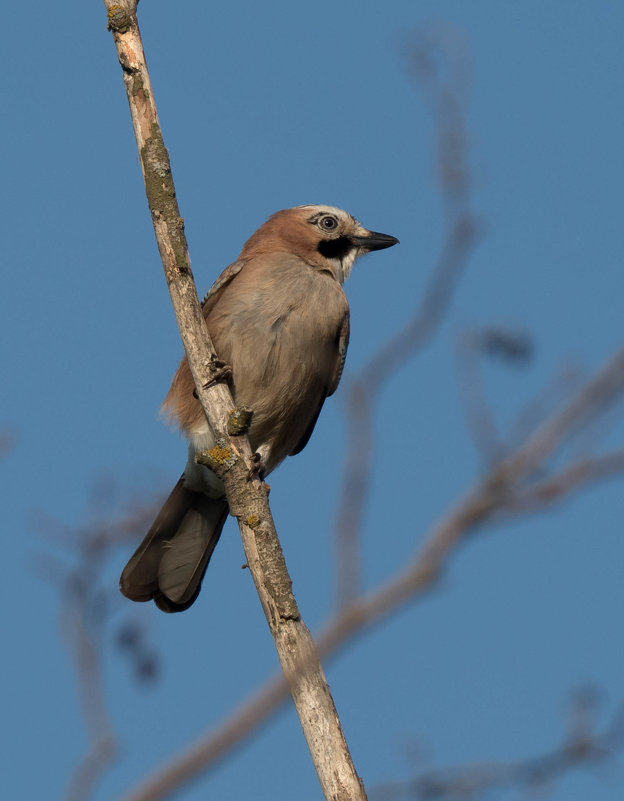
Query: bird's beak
372 240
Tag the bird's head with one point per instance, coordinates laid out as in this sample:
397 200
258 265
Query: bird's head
324 236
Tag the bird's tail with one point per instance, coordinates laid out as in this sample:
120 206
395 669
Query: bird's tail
170 563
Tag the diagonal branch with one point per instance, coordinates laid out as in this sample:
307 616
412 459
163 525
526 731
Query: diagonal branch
248 499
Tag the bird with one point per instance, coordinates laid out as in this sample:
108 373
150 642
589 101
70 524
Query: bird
279 319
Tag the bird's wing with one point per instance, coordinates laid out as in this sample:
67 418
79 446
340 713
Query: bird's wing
342 341
181 402
222 281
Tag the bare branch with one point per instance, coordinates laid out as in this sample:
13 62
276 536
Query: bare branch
583 747
493 341
247 499
568 480
215 746
590 401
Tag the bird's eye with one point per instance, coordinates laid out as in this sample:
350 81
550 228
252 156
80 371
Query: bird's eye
328 223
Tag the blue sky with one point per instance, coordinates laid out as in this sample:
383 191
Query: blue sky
266 106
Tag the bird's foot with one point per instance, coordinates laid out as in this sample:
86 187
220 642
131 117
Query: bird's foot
219 370
257 469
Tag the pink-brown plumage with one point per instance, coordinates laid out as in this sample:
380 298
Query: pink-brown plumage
279 317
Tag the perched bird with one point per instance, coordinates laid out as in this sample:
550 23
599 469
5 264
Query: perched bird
279 318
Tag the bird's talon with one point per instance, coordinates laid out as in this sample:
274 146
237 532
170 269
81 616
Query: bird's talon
257 469
220 370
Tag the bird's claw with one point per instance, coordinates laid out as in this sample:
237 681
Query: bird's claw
257 469
220 371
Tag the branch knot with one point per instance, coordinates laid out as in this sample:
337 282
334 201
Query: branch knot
119 20
239 421
220 459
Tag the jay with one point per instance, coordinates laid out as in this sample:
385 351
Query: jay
278 316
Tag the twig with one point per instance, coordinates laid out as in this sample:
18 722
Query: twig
596 396
583 748
479 416
102 737
248 499
571 478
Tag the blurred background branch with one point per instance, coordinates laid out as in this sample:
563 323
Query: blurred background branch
584 746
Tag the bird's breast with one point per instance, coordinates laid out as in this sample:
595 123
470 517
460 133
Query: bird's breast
280 336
